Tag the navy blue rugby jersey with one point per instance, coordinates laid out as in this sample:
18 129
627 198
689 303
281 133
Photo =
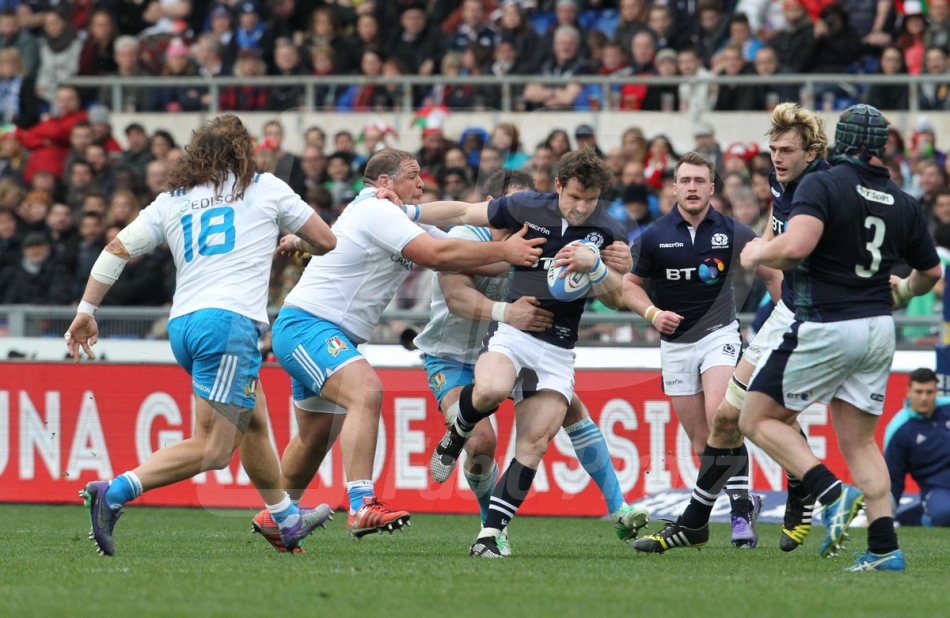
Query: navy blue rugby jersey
870 224
782 198
540 212
693 277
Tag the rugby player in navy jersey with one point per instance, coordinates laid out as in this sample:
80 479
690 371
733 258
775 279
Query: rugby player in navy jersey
847 228
797 142
689 255
537 368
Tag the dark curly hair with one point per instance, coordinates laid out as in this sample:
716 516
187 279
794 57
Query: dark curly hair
220 147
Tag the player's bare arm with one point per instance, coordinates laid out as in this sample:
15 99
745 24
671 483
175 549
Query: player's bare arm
635 298
786 251
314 237
455 254
466 302
917 283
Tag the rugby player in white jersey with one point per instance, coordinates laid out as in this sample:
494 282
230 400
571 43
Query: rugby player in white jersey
335 306
222 221
462 308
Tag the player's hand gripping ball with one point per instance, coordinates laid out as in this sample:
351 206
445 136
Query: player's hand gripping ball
571 286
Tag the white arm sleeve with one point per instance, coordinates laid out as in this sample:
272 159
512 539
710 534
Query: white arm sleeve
138 238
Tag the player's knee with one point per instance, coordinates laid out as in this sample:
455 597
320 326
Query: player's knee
216 457
725 424
747 426
486 398
482 441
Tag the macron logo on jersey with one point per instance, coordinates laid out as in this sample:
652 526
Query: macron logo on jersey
875 196
538 228
671 245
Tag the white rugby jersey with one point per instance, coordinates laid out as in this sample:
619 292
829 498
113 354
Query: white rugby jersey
448 335
351 285
223 247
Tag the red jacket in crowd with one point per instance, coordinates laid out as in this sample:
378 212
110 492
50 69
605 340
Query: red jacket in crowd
48 143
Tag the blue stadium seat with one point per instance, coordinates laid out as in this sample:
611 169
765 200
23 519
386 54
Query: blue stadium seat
607 22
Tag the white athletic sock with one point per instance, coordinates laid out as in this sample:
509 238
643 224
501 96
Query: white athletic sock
277 509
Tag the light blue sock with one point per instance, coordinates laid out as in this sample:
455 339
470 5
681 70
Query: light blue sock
357 491
591 450
285 512
122 489
482 486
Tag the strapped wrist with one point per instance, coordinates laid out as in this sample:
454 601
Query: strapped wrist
87 308
498 311
650 314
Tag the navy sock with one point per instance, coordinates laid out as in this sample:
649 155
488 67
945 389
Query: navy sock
716 466
468 416
823 484
882 538
796 488
737 487
510 491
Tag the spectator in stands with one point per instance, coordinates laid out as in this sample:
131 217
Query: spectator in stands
454 182
32 211
633 19
711 31
893 97
59 54
767 96
326 31
161 144
79 138
660 159
156 179
559 143
246 98
636 211
916 442
80 181
208 55
733 96
99 120
250 29
518 32
663 98
222 28
695 97
371 96
10 250
935 95
18 104
97 56
11 194
13 158
585 137
340 179
567 62
932 180
313 164
665 32
506 138
910 37
46 181
88 248
123 209
288 165
11 35
61 229
323 61
177 98
366 35
938 28
837 45
139 153
504 60
417 44
48 140
794 42
740 33
474 28
566 13
102 172
278 27
287 62
166 16
316 137
126 57
37 279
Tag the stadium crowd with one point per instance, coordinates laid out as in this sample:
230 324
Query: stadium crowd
67 186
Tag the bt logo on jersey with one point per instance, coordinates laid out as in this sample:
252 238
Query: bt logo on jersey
708 272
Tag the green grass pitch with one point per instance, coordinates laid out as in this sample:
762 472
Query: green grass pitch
193 562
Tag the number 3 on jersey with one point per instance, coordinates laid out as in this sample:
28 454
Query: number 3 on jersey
873 246
216 234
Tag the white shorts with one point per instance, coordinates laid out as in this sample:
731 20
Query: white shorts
539 365
683 364
821 361
770 335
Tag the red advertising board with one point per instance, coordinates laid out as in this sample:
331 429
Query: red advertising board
62 425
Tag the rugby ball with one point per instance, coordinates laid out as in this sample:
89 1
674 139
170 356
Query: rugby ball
572 286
